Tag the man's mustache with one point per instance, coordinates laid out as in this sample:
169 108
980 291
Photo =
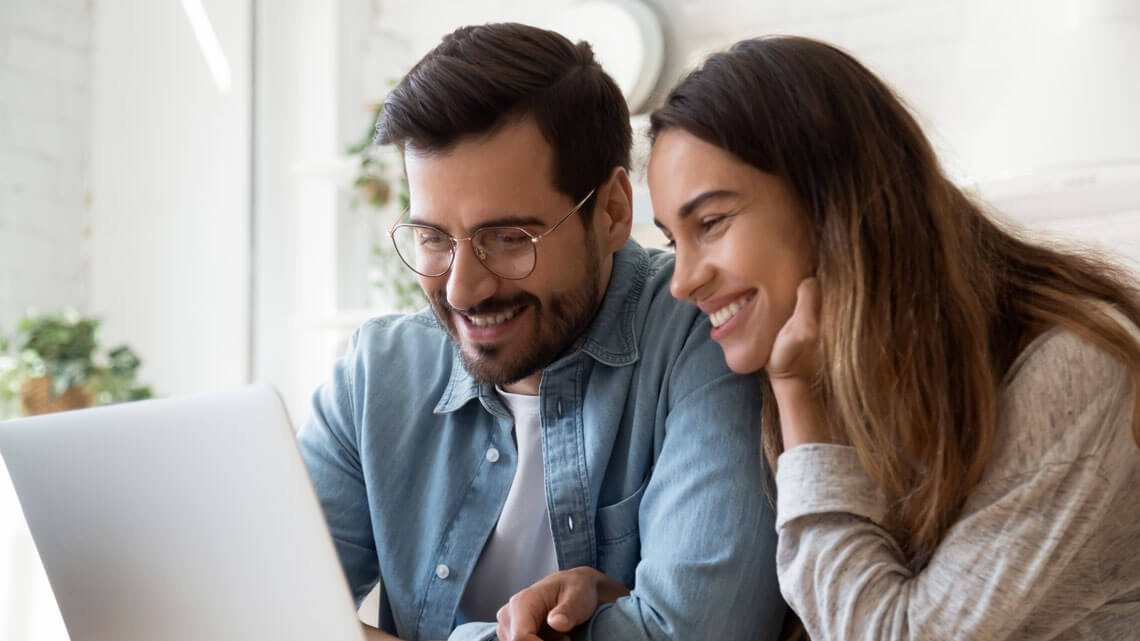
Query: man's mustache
489 306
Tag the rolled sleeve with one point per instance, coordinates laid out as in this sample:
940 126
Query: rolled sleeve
328 442
820 478
475 631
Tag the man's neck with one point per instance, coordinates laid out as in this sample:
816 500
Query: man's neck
528 385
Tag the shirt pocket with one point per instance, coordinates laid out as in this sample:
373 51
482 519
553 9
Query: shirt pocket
618 536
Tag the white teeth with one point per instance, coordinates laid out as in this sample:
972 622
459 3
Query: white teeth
722 315
488 320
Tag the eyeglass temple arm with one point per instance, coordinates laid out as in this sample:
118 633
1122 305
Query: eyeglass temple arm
396 223
535 239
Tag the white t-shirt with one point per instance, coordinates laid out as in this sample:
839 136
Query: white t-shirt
521 548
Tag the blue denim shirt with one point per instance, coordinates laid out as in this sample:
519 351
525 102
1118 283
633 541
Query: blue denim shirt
651 455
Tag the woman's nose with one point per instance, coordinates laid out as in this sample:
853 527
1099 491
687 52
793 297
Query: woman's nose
690 272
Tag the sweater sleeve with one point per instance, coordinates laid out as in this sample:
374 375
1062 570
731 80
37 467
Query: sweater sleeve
1015 543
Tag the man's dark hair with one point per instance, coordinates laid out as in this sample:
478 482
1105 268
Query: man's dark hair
481 78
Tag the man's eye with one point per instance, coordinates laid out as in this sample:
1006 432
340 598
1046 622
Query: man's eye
503 240
430 239
509 237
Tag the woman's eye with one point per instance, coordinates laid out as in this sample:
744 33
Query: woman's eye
710 222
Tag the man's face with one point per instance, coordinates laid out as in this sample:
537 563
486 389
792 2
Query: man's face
507 330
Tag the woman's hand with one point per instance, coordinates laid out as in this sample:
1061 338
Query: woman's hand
792 369
550 608
795 352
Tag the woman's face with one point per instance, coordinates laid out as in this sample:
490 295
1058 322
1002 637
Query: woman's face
741 238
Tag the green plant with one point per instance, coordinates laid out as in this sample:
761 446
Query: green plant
63 350
374 178
377 182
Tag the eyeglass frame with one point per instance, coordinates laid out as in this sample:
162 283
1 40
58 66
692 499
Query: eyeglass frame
534 239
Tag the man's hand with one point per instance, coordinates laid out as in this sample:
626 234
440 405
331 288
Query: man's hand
549 609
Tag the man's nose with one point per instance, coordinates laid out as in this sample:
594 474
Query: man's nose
469 282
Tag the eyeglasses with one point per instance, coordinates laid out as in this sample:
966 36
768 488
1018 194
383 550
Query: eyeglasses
508 252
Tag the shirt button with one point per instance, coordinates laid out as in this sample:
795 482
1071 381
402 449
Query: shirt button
558 407
442 571
492 455
570 522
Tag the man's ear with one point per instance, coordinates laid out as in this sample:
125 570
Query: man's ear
613 215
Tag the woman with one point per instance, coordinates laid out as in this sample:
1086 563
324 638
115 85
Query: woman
951 410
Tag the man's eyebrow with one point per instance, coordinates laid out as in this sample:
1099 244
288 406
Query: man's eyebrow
688 208
501 221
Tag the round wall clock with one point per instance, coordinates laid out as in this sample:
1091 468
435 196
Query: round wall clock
627 41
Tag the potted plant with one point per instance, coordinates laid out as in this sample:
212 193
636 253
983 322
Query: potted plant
53 363
377 183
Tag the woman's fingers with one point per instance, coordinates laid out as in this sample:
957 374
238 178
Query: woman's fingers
795 352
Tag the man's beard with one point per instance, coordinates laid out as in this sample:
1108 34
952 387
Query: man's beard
558 324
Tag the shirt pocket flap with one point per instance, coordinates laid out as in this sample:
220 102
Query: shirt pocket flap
619 521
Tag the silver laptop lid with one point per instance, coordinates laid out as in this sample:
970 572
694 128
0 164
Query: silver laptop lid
185 519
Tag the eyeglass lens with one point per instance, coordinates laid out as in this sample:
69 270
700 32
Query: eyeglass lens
507 251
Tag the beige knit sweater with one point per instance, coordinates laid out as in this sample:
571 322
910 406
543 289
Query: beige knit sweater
1047 546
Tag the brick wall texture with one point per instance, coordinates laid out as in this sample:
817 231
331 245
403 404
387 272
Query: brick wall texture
45 147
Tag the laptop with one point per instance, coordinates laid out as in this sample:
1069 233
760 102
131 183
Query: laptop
184 519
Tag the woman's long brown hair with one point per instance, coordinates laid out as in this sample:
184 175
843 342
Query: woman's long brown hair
925 300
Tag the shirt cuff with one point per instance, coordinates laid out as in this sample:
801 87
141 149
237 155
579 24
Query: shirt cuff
474 631
820 478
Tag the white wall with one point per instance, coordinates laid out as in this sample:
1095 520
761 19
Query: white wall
124 191
45 134
295 207
170 269
45 146
1021 97
1007 89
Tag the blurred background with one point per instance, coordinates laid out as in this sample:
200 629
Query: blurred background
190 172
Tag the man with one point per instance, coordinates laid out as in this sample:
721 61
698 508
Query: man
556 408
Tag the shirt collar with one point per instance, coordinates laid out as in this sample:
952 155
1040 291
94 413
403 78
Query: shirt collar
610 339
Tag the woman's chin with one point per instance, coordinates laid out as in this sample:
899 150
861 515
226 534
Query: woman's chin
743 362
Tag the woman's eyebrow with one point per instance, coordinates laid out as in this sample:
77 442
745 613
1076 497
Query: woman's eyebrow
688 208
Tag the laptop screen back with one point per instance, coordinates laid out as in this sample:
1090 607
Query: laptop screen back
187 519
